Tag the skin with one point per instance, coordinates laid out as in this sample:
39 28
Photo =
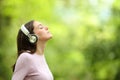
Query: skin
43 36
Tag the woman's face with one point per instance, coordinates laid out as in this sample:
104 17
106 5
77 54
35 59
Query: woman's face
41 31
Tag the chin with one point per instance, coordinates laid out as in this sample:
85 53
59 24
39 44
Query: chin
50 37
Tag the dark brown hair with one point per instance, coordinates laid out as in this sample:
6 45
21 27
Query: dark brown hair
23 43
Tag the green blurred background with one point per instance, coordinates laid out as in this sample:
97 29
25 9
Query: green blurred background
86 36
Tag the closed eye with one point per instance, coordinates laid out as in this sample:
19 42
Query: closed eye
40 26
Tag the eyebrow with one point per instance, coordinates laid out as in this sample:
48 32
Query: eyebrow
39 25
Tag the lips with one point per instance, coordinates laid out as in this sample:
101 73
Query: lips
48 32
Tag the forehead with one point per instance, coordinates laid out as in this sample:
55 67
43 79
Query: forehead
36 24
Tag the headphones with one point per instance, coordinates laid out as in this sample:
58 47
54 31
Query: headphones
32 37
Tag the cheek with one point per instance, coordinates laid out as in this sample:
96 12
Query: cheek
38 32
41 35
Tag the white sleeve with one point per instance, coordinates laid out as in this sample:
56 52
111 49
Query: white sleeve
22 67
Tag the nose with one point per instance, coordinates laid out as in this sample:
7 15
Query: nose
46 28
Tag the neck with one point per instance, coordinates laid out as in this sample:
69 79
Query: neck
40 47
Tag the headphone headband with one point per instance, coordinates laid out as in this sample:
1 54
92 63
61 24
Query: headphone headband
24 30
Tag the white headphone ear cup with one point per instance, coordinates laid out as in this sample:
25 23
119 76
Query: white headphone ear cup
33 38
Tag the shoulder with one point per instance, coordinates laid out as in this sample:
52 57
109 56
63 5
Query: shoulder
25 56
24 61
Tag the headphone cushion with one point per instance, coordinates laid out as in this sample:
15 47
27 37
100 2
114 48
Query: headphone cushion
33 38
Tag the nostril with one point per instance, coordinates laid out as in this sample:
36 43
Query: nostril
46 28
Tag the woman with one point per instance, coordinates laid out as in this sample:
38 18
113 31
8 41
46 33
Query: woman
31 63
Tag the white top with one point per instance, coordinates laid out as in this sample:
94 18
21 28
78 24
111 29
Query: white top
31 67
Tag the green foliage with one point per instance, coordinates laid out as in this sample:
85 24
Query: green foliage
86 40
